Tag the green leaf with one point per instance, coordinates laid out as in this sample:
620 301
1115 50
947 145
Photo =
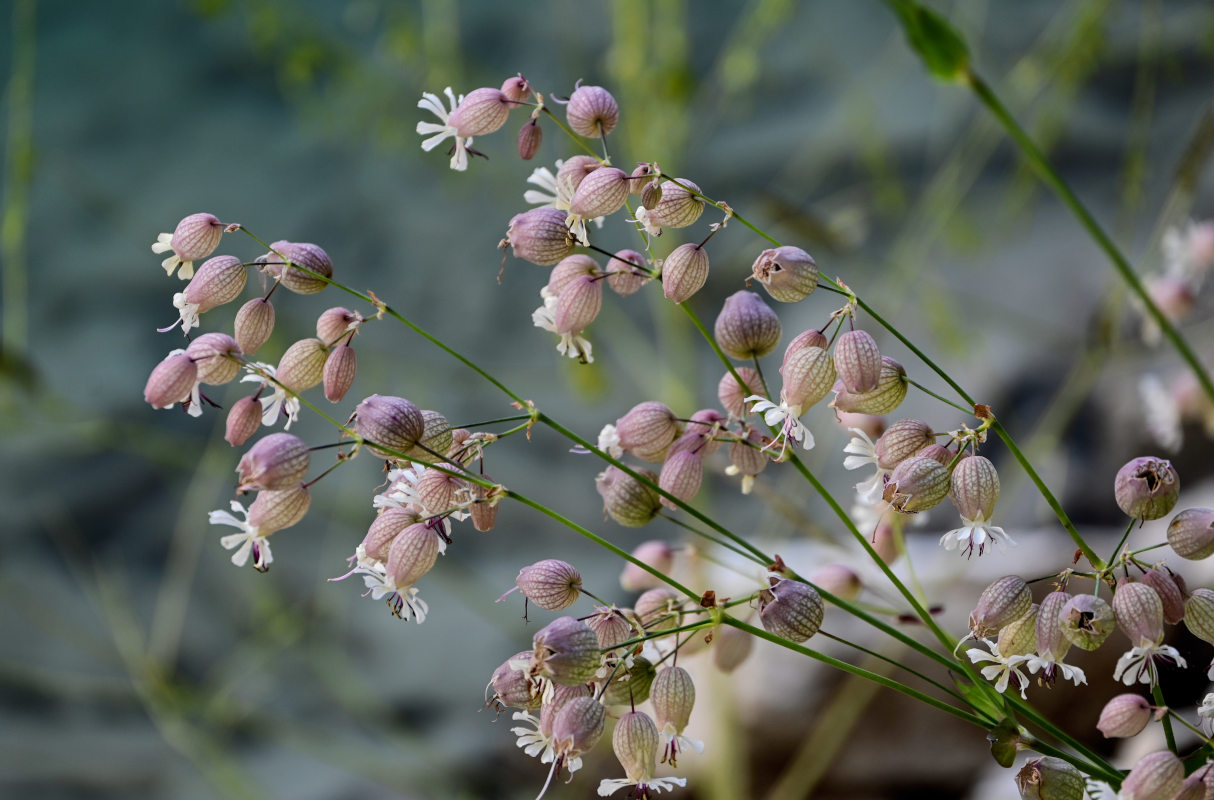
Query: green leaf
980 699
939 44
1005 741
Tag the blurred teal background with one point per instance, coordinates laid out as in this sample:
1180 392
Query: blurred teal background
138 662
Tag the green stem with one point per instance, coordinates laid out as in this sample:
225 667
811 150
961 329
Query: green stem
944 400
578 140
1168 734
1121 543
1051 178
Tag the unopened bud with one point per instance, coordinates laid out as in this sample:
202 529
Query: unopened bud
171 381
917 484
791 609
1004 601
566 652
1087 621
592 111
393 422
529 138
302 366
517 89
677 207
539 236
746 327
789 274
1191 533
889 394
481 112
681 476
254 324
1163 581
1139 612
732 394
568 270
613 628
277 461
858 361
637 184
625 272
603 192
1049 778
1147 488
336 322
551 584
218 281
655 553
217 356
275 510
1124 716
651 195
578 305
1156 776
338 377
730 647
684 272
628 501
747 458
196 237
301 254
244 418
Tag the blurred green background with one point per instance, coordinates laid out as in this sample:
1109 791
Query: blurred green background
138 662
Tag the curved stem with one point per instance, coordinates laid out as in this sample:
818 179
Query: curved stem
1168 734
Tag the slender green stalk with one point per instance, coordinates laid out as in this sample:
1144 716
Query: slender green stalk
1041 165
1168 734
1120 544
902 666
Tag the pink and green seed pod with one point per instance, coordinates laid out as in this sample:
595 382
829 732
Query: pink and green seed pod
658 609
602 193
196 237
551 584
517 89
278 509
789 274
592 111
917 484
633 686
171 381
1049 778
628 501
512 687
684 272
340 369
254 324
1087 621
393 422
974 488
1163 581
302 366
858 361
1156 776
539 236
1191 533
386 526
1147 488
657 554
901 440
578 727
217 356
218 281
481 112
732 394
302 254
335 323
889 394
1124 716
243 420
809 374
674 696
647 430
625 272
568 270
276 461
1001 603
530 136
635 742
1199 614
791 609
746 327
1139 613
412 554
566 652
681 476
676 207
578 305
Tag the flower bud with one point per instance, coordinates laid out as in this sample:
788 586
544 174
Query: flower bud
732 394
637 185
974 487
1139 612
529 138
578 305
808 373
412 554
1199 614
635 742
550 584
917 484
601 193
684 272
1049 778
592 111
889 394
539 236
277 461
787 273
572 172
838 579
481 112
858 361
1156 776
277 509
436 438
901 440
196 237
336 322
633 687
217 357
746 458
254 324
386 526
681 476
656 554
578 726
1124 716
568 270
791 609
171 381
244 418
301 254
658 609
1087 621
338 375
1004 601
1163 581
1147 488
483 510
651 195
628 501
676 207
1191 533
647 430
517 89
613 628
810 338
701 434
1051 644
512 687
730 647
393 422
438 491
302 366
746 327
939 452
566 652
218 281
624 273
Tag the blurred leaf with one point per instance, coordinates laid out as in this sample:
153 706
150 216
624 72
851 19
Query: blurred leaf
939 45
